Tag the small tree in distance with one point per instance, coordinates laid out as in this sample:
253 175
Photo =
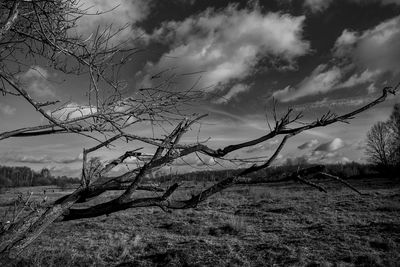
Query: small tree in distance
383 142
379 141
42 30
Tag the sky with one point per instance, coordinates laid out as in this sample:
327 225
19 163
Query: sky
311 55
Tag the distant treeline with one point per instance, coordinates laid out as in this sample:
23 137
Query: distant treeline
25 176
353 170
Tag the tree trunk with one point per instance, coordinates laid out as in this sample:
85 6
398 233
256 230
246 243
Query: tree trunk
23 232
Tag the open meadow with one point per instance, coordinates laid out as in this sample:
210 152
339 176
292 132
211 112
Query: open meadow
280 224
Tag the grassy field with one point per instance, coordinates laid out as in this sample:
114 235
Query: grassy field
273 225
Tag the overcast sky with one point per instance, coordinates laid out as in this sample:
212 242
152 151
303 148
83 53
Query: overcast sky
312 55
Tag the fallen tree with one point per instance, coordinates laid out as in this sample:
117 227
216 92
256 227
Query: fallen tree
18 235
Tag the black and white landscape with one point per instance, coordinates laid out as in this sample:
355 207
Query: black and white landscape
199 133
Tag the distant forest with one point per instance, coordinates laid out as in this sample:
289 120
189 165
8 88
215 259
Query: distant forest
25 176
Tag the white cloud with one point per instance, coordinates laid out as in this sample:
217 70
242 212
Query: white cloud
329 103
321 80
187 2
270 145
344 43
72 111
194 161
376 49
36 79
317 5
361 78
344 160
227 44
35 72
65 170
35 159
331 146
371 88
310 144
69 160
316 158
366 55
6 109
121 14
232 93
360 145
19 158
382 2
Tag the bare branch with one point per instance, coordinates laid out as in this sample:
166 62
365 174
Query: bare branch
340 180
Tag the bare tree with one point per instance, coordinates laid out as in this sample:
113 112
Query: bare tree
42 30
379 140
383 141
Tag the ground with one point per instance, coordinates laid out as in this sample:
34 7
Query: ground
284 224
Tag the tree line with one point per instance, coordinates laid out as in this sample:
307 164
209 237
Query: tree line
25 176
11 176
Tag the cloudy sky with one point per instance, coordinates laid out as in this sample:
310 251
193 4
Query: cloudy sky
312 55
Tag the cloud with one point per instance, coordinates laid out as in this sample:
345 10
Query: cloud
69 160
65 171
360 145
310 144
329 103
227 44
121 14
270 145
331 146
321 80
316 157
232 93
376 49
362 57
344 43
384 2
345 160
36 79
371 88
7 110
72 111
34 159
360 78
188 2
27 159
194 161
317 5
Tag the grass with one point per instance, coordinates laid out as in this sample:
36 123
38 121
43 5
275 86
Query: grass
274 225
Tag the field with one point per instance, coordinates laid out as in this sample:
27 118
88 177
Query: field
284 224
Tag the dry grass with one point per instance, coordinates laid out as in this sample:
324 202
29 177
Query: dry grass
274 225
